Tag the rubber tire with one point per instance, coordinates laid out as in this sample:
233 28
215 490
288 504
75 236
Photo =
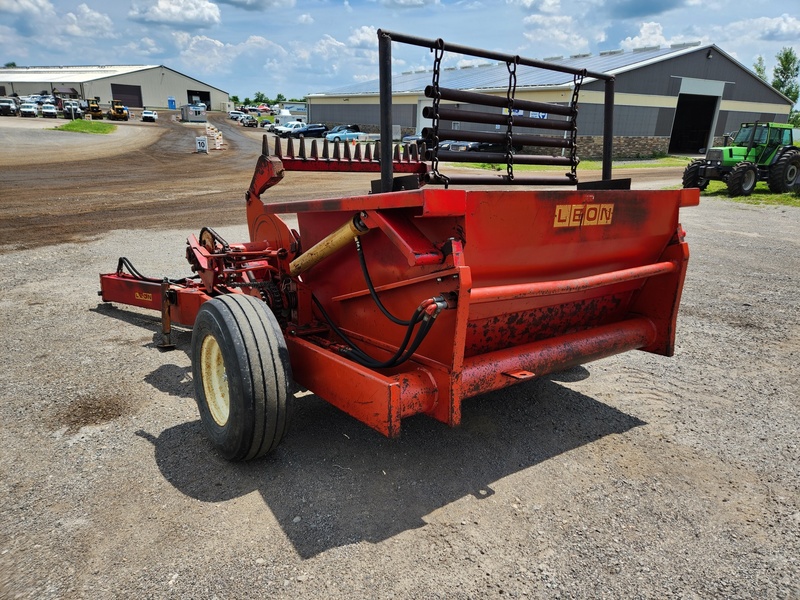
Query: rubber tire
691 175
784 175
743 179
256 365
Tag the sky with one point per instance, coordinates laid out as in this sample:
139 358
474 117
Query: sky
297 47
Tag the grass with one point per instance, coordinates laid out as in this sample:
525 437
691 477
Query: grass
760 196
82 126
593 165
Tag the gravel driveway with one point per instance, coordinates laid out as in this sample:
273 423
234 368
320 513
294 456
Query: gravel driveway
637 476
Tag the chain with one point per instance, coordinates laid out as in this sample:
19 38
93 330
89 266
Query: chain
577 81
438 54
510 93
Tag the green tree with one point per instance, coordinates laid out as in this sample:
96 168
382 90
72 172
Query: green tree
785 73
260 98
235 99
10 65
247 101
279 98
760 67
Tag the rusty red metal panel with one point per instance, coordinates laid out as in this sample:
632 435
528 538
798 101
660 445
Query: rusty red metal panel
124 289
496 370
378 400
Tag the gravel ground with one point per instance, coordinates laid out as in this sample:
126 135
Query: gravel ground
637 476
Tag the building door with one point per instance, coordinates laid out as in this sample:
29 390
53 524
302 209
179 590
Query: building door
694 119
129 95
198 96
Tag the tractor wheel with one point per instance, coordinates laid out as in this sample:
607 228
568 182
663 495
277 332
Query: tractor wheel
784 175
691 175
242 376
743 179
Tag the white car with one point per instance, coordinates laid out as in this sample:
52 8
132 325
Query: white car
287 128
149 115
28 110
49 111
235 114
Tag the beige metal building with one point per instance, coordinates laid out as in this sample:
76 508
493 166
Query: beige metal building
153 86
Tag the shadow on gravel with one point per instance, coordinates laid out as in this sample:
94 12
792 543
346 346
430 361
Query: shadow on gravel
335 482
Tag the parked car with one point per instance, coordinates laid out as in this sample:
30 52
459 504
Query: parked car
338 128
49 111
464 146
248 121
72 109
267 124
8 107
344 135
29 109
150 116
311 130
235 114
285 129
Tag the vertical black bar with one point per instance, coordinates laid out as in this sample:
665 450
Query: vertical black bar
608 128
385 66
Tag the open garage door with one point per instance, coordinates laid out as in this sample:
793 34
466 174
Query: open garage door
129 95
694 118
197 96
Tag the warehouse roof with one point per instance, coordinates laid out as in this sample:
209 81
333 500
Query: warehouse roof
80 74
495 75
71 74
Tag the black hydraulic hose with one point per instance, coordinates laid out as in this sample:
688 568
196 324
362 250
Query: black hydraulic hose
372 291
126 263
403 353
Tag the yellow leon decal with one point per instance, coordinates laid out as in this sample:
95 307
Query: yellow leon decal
146 296
581 215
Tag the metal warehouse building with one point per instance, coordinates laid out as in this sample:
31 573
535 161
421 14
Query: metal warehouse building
677 99
135 85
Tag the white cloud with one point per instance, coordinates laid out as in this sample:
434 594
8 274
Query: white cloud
305 19
545 31
259 4
144 47
177 13
207 55
408 3
545 6
28 8
652 34
364 37
784 29
88 23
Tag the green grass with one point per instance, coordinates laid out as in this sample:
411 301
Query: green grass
82 126
760 196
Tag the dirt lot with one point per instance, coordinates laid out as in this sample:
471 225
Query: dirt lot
632 477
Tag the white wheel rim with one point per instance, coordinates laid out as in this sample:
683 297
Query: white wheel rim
749 179
215 380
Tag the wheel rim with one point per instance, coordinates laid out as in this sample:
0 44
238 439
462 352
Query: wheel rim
215 380
749 179
791 174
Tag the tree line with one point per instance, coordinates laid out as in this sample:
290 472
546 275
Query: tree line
784 77
261 98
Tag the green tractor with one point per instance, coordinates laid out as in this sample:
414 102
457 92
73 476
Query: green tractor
758 152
